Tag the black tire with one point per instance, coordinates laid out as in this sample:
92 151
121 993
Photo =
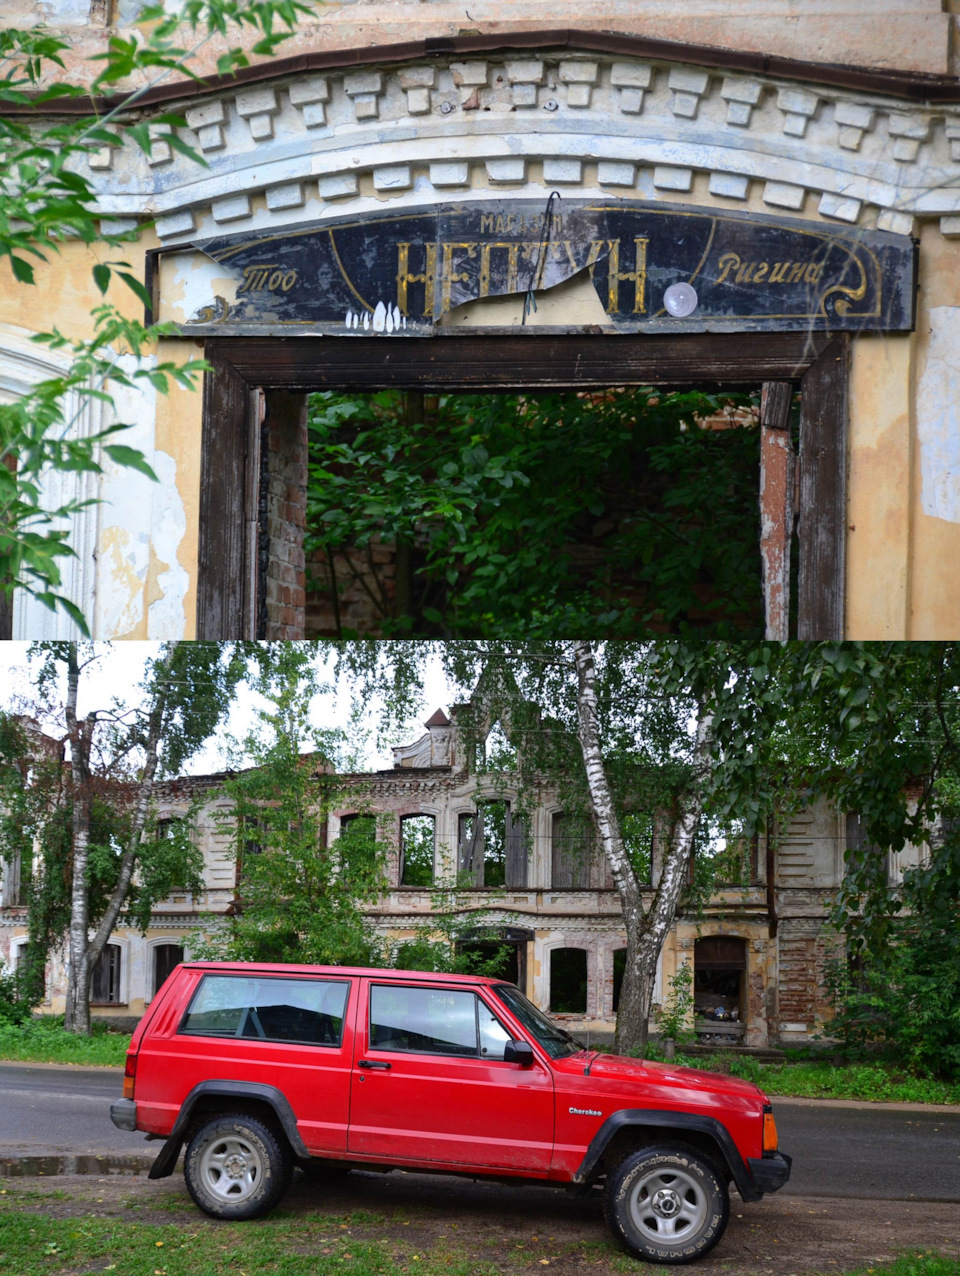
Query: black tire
666 1204
237 1168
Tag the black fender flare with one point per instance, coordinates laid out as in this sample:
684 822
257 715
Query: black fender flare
164 1165
652 1118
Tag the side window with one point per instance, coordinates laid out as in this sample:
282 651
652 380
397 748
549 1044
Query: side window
493 1035
307 1011
423 1020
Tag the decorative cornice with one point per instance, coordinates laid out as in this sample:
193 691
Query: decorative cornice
305 147
909 86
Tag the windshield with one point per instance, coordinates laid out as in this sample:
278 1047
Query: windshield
557 1043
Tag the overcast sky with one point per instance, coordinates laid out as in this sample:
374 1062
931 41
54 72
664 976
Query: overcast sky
120 668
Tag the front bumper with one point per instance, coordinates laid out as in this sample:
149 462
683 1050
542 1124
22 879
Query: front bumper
771 1171
123 1114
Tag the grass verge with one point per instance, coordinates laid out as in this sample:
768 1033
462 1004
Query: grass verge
45 1041
33 1245
870 1081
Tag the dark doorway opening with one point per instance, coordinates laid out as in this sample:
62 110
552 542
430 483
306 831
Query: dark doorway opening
568 981
255 447
719 986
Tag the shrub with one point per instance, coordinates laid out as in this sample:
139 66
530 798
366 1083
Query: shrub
14 1008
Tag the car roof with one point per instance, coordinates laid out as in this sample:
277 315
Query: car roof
378 972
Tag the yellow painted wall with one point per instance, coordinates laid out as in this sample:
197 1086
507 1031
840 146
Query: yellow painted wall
64 296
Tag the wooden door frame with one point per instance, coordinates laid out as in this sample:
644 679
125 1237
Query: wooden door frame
498 360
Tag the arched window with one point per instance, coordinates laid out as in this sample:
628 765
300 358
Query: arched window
572 847
416 850
568 981
357 844
165 958
105 983
493 847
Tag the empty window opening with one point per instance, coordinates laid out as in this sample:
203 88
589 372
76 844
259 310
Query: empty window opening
165 958
493 847
632 510
494 958
619 966
568 981
573 850
719 966
498 752
416 850
105 982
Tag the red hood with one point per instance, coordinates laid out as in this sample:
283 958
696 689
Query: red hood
618 1067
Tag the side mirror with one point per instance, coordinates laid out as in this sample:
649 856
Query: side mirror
518 1052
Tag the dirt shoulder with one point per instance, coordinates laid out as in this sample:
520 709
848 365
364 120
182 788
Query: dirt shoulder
509 1229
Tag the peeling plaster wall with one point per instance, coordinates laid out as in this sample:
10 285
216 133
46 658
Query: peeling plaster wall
144 534
935 540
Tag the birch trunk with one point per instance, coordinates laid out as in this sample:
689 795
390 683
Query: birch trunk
646 930
77 1010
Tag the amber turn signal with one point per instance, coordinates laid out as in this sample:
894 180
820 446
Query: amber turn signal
769 1133
129 1075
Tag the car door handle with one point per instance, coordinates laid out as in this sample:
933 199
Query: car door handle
373 1063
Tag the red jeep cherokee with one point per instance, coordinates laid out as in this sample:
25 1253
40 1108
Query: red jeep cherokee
259 1068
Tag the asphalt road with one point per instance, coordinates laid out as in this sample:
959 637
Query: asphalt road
867 1151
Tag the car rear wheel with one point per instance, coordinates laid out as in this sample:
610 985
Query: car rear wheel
237 1168
666 1204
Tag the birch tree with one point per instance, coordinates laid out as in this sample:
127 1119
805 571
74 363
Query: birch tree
90 820
621 727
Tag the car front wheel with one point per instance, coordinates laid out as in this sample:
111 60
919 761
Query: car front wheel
666 1204
236 1168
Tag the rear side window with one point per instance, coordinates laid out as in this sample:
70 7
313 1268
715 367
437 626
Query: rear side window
423 1020
308 1011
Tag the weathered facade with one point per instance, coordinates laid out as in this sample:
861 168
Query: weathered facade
757 949
836 124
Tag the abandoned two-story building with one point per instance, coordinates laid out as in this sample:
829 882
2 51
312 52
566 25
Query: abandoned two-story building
534 886
736 193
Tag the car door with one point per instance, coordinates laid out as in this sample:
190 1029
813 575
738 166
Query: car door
292 1033
430 1082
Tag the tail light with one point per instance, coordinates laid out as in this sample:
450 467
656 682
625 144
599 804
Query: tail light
130 1075
769 1131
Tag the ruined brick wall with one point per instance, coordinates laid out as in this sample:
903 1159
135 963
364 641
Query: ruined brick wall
282 585
355 595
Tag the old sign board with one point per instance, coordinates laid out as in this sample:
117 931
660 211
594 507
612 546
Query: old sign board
399 274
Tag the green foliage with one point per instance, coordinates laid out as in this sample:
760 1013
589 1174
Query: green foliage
493 494
13 1008
673 1017
298 900
48 200
906 1005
